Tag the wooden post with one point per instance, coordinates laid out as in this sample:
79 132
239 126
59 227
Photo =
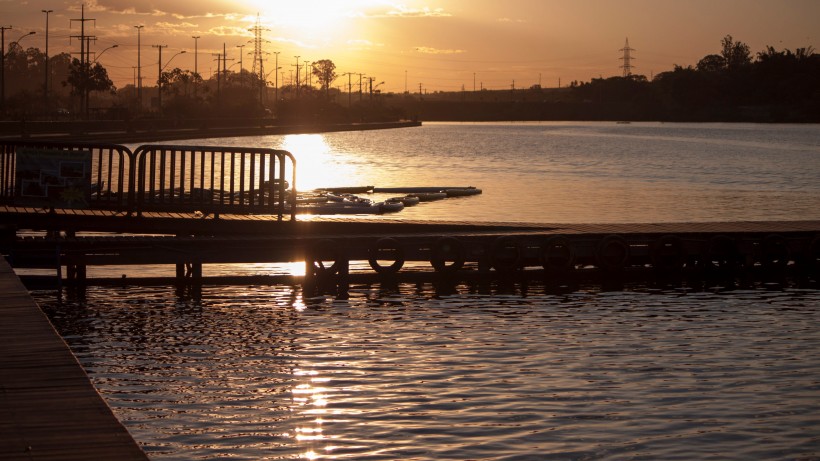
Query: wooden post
342 279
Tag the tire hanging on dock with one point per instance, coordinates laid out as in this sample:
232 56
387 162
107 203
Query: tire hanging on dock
505 254
447 249
668 253
386 248
557 255
721 253
612 253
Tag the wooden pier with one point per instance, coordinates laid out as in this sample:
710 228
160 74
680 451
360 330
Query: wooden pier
328 245
49 410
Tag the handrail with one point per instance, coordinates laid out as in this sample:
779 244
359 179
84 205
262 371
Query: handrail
111 171
213 179
174 178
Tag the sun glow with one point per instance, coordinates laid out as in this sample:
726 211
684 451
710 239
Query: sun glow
308 20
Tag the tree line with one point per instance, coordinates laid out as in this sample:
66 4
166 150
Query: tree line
77 89
731 85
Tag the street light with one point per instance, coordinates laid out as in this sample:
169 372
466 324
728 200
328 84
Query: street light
139 66
24 36
241 52
103 51
159 74
45 84
196 64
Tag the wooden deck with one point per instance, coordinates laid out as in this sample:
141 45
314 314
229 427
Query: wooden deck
268 225
49 410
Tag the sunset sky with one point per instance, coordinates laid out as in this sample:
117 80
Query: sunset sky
438 44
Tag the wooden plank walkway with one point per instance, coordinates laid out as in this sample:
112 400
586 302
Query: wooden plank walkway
267 225
49 410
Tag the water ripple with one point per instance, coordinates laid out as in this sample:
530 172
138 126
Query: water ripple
248 373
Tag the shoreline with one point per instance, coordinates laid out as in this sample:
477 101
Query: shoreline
122 135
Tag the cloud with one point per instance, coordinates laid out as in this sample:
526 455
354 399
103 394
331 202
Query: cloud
402 11
175 25
363 44
229 31
429 50
214 9
510 20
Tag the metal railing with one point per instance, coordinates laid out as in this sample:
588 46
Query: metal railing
111 169
172 178
214 179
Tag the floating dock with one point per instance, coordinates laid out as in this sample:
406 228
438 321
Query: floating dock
329 245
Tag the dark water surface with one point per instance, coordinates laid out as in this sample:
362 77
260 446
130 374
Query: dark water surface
479 373
487 372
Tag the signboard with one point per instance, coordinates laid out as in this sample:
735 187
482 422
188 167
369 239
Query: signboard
53 178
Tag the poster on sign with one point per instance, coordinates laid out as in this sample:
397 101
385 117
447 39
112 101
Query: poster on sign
53 178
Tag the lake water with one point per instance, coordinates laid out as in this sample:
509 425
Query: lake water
576 172
499 370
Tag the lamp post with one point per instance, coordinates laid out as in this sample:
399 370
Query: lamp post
87 90
241 52
276 78
45 84
159 74
103 51
196 64
139 67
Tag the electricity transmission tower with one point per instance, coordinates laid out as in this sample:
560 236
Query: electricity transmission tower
258 57
627 58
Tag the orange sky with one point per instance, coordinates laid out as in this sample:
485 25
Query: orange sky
438 44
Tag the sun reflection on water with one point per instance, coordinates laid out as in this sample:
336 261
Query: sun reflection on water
317 165
310 399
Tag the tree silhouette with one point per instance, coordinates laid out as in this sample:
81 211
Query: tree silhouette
325 71
736 55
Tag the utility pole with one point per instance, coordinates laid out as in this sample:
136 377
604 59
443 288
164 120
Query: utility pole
627 58
139 67
241 52
297 77
196 61
276 77
159 77
45 84
218 57
349 87
88 69
84 55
